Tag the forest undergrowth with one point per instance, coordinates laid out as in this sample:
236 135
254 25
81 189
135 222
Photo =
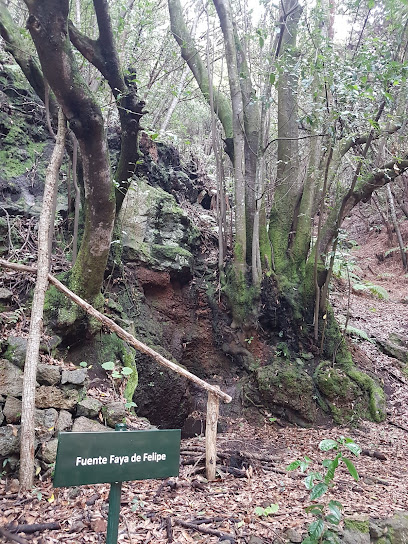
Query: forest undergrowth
252 458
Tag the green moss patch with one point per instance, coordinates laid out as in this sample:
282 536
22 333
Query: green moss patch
283 384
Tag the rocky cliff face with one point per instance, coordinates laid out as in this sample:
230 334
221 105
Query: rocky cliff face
161 284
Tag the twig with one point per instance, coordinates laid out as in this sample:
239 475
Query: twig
398 425
169 529
127 528
12 537
168 483
205 531
33 528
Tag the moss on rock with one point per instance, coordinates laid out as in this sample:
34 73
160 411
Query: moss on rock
284 385
361 526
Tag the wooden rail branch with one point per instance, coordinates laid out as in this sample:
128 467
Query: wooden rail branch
213 405
127 337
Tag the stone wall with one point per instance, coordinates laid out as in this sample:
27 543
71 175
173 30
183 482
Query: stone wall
62 404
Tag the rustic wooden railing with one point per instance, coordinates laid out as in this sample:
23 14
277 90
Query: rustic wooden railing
214 392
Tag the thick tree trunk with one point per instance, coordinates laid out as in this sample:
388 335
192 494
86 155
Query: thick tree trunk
224 13
36 321
15 44
48 25
102 53
287 195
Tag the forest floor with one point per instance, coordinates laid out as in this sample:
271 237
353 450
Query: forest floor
182 509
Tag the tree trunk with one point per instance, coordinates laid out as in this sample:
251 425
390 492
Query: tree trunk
15 44
288 186
36 322
192 57
224 13
396 227
102 53
48 25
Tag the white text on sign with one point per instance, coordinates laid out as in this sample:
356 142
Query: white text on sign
120 460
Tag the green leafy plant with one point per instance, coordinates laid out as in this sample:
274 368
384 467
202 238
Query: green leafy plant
138 505
322 530
271 509
115 373
375 290
353 331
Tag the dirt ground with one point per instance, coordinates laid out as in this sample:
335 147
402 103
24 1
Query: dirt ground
182 509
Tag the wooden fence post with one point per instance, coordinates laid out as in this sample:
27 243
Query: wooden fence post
213 405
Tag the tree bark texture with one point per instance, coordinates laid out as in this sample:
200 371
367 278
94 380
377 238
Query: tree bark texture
102 53
15 44
36 322
225 16
48 26
288 185
190 54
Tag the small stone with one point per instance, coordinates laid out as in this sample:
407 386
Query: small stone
48 374
293 535
14 486
16 350
5 294
89 407
255 540
45 420
85 425
76 377
50 396
9 440
50 344
376 531
114 412
64 421
11 379
49 451
12 410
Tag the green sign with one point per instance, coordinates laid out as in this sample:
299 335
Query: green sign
92 458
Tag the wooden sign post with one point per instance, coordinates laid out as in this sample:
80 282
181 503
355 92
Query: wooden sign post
95 458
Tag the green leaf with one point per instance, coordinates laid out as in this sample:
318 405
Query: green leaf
271 509
318 490
308 540
315 509
316 529
331 469
293 466
84 364
335 513
261 42
328 444
310 478
272 79
330 538
109 365
353 447
331 518
116 375
351 468
259 511
335 503
126 371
